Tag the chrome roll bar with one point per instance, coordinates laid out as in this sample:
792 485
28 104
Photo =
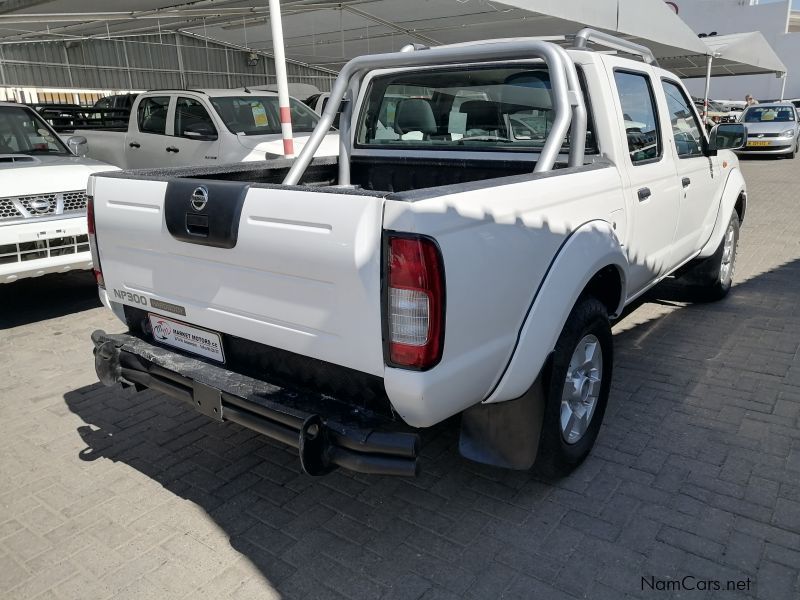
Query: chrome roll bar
567 97
615 43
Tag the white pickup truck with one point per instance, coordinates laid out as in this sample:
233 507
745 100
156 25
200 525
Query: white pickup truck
464 254
42 198
178 128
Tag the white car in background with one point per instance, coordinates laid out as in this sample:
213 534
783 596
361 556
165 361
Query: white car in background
42 198
193 128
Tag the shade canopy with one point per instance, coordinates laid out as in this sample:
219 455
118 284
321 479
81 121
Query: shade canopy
327 33
736 54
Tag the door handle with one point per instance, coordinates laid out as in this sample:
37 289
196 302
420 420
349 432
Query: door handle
172 149
644 194
135 145
686 182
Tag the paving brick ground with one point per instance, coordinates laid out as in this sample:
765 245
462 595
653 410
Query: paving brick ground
696 473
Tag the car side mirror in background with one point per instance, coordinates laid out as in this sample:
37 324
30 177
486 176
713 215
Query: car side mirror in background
727 136
78 145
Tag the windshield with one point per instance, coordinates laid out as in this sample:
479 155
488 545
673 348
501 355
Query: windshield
486 108
259 115
768 114
23 132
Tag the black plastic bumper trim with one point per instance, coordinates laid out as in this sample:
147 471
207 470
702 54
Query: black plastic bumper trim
323 442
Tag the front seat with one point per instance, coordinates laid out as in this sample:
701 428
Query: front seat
415 114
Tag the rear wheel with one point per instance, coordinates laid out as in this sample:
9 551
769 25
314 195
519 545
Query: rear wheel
576 389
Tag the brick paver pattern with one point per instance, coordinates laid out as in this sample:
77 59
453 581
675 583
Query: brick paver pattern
109 493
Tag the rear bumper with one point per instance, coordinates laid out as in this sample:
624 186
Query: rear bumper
326 432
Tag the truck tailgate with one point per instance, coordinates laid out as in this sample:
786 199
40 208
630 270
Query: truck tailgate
287 267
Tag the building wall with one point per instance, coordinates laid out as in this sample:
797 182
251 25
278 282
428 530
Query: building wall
739 16
143 62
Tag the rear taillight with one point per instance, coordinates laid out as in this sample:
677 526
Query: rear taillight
96 268
415 302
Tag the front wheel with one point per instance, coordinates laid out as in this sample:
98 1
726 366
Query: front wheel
576 389
714 275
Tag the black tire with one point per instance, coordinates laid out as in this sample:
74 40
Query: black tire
712 281
793 153
556 456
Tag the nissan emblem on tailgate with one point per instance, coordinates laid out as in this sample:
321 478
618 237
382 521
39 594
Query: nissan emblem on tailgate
199 198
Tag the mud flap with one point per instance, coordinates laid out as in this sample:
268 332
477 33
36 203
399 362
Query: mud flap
504 434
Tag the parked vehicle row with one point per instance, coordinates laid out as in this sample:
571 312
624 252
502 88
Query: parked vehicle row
464 253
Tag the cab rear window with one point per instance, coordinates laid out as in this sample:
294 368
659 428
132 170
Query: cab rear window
489 108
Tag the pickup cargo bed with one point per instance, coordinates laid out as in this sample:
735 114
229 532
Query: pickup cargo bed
369 174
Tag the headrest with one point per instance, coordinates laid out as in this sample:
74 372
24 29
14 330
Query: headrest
483 114
415 114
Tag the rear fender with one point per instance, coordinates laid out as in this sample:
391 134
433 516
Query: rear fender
589 249
734 187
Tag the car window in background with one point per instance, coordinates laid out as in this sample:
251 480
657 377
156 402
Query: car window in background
768 114
686 128
24 132
260 115
152 115
486 108
639 115
192 120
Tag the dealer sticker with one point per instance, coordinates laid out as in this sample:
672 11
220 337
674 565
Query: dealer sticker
185 337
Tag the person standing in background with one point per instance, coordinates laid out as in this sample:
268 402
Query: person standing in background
749 100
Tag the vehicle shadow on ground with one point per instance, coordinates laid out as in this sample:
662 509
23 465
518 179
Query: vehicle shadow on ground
685 389
47 297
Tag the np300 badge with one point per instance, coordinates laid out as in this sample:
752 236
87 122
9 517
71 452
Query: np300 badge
199 198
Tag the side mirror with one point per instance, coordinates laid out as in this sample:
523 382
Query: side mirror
727 136
78 145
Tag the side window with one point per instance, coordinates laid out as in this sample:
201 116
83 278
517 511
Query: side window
193 121
685 127
152 115
640 116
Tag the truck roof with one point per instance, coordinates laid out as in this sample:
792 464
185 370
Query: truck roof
216 91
